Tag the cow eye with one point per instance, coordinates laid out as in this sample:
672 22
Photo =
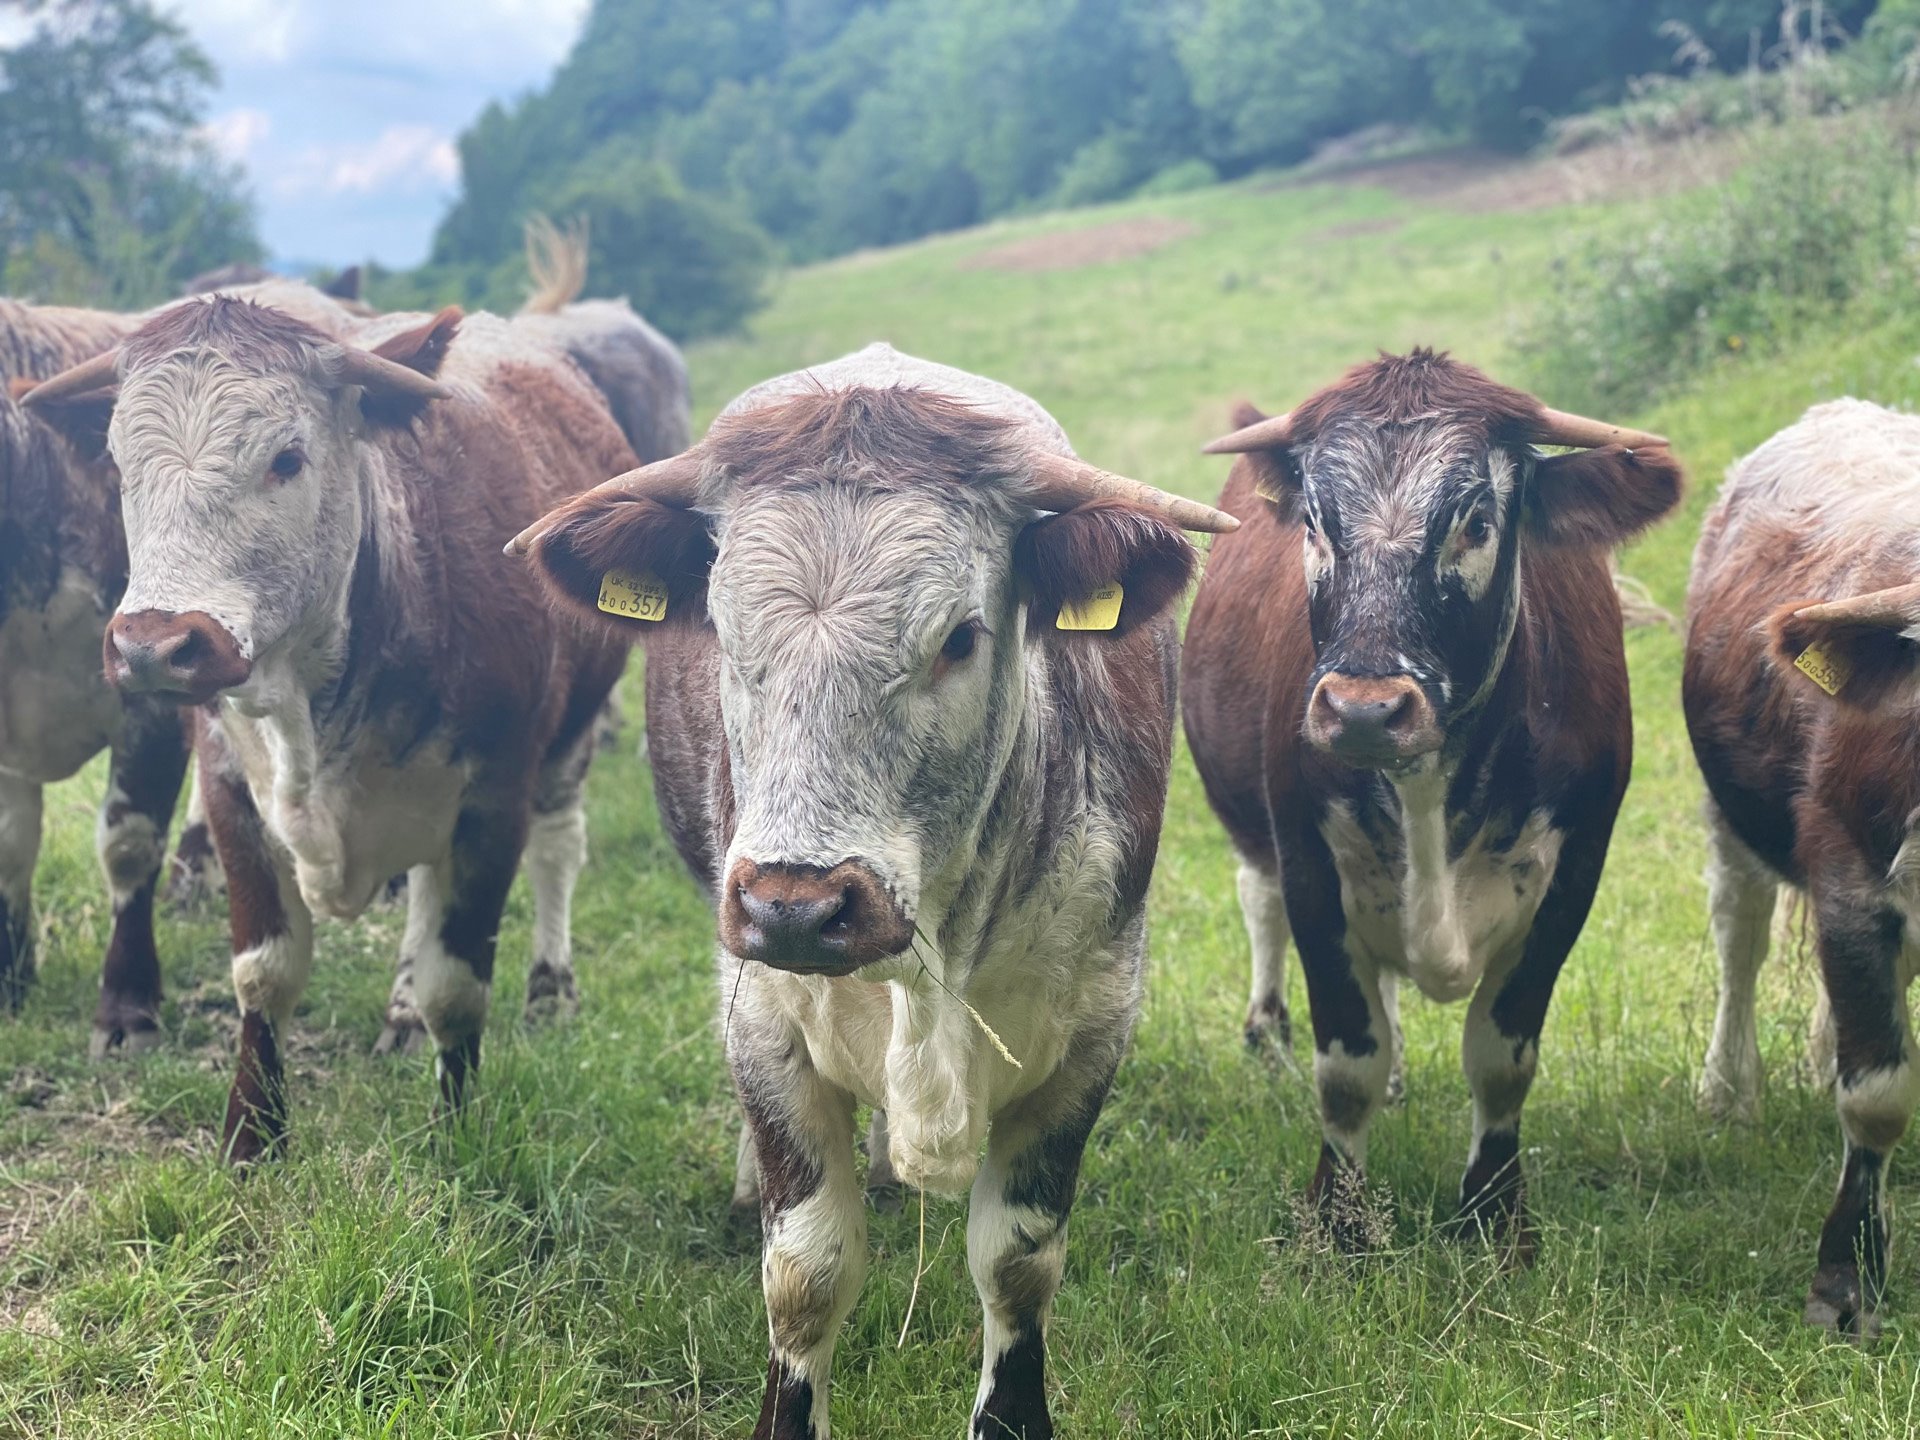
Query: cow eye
1478 529
288 463
959 645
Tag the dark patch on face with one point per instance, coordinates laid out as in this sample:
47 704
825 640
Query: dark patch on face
1016 1403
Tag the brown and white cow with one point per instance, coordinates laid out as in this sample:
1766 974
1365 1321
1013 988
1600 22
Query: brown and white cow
314 535
63 564
1406 692
928 812
1801 700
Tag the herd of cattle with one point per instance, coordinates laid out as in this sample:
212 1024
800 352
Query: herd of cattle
912 670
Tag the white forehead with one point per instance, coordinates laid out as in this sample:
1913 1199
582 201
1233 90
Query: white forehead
862 567
198 414
880 367
1384 483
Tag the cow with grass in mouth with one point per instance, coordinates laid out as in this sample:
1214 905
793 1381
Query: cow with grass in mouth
910 692
1406 692
1800 694
314 532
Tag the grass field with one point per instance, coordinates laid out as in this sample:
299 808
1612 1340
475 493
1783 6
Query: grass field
559 1265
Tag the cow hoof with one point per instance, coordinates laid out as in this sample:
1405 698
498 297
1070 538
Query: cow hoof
1725 1103
125 1039
551 996
1834 1304
887 1198
743 1220
1397 1087
1269 1024
403 1034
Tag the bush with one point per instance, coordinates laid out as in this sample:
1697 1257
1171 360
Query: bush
1818 222
1178 179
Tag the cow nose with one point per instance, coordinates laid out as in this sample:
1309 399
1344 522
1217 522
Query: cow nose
811 920
1372 720
188 655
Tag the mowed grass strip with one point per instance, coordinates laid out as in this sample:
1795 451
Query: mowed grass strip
558 1264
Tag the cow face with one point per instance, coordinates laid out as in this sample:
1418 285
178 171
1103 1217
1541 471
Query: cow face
880 595
246 486
1420 500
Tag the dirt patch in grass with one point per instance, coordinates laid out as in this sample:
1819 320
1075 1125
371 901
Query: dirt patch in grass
1482 180
1072 249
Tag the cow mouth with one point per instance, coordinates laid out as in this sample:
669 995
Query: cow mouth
809 920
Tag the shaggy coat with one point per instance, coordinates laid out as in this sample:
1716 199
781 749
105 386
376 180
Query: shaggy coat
1406 693
859 691
1816 783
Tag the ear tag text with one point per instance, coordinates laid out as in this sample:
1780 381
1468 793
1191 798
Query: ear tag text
1099 611
633 595
1829 671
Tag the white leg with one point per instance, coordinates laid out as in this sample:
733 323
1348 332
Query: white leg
20 807
556 854
1264 908
1390 1007
746 1179
885 1191
1740 893
404 1032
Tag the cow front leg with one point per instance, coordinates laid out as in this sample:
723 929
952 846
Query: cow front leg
20 806
143 782
453 966
1353 1071
1877 1089
1741 894
1017 1241
556 854
813 1255
402 1031
886 1191
194 873
272 934
1263 906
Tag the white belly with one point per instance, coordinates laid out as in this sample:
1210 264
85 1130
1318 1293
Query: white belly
1439 922
56 709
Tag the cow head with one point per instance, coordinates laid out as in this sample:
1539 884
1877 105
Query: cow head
1419 497
240 437
881 586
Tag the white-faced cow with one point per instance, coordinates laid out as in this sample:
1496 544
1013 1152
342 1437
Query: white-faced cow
1406 691
63 564
927 806
1801 700
314 532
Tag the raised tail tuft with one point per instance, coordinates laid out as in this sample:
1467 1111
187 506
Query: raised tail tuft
557 263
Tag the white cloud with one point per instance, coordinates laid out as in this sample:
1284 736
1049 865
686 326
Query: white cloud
256 31
236 133
401 157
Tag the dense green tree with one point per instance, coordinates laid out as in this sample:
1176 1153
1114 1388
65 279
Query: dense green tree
105 194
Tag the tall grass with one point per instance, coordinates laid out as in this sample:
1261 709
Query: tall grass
1818 226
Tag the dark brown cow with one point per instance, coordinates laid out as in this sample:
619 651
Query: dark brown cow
63 564
1406 692
926 805
1804 718
314 535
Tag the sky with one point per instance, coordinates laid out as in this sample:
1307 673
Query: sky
343 113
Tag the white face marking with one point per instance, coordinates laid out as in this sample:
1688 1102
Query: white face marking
1471 550
210 526
852 736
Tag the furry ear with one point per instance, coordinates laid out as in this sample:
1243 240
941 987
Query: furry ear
81 420
422 349
1065 558
1855 649
1601 497
594 533
1275 472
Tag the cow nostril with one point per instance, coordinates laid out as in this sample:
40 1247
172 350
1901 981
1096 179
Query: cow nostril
187 652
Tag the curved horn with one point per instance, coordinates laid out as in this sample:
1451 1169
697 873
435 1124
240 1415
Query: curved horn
1557 427
363 367
1267 434
1061 482
673 482
89 375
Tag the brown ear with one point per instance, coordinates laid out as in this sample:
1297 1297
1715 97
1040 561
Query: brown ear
1857 648
1275 473
1601 497
424 347
81 420
345 285
1065 558
602 531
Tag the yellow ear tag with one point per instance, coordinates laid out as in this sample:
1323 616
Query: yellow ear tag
636 596
1829 672
1099 611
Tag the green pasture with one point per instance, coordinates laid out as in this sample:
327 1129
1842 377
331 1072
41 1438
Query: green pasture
558 1264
